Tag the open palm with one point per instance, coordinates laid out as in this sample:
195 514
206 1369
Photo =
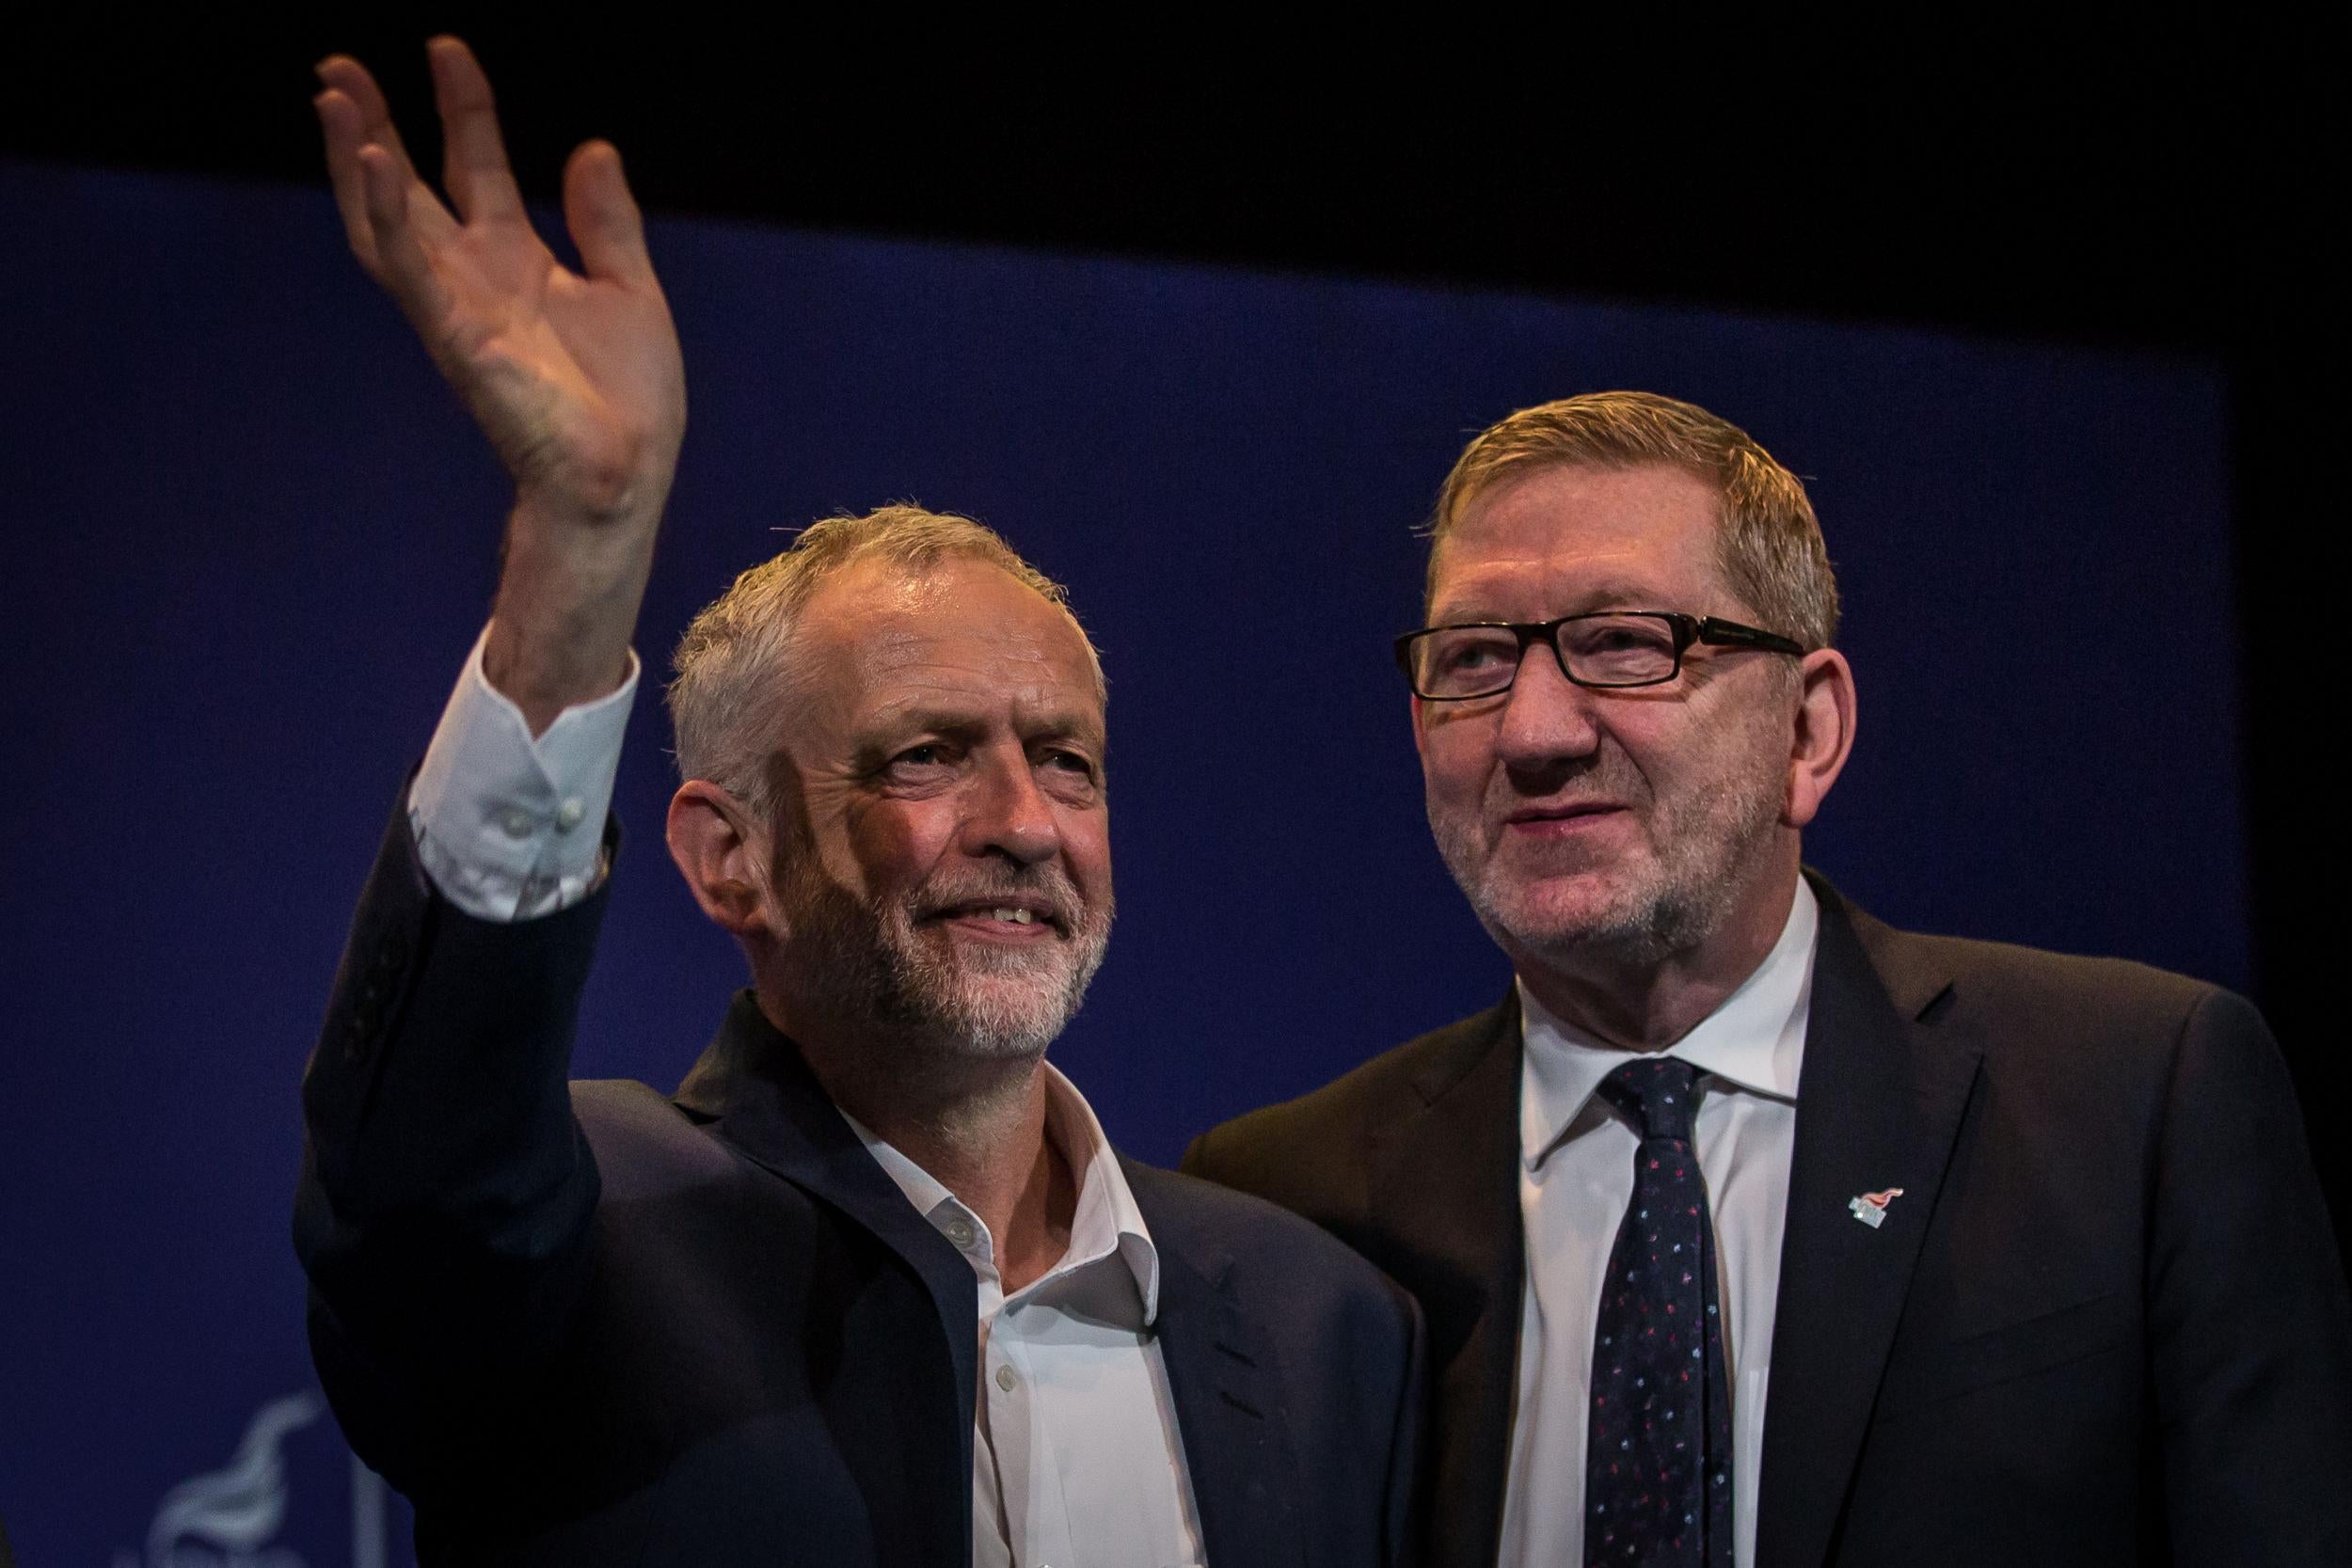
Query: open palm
574 376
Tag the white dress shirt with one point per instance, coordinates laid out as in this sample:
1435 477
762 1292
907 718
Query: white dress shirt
509 827
1576 1179
1077 1462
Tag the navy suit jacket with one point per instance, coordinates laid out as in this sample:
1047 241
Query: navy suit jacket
2104 1324
583 1323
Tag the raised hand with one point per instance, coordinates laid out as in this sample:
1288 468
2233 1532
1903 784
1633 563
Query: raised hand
576 377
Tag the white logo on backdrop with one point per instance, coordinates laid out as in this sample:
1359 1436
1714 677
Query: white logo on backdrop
227 1519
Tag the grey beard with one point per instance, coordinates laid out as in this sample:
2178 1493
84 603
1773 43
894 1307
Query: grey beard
1673 919
1695 891
865 970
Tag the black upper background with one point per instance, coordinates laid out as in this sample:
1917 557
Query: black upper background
1984 175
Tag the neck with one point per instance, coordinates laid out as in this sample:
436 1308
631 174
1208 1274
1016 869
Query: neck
1638 1002
977 1128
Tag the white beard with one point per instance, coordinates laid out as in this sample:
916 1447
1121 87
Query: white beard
879 969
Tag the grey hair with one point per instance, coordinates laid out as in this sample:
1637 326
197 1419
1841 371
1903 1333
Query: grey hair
1768 542
733 669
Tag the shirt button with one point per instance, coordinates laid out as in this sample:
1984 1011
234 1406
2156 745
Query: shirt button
567 815
515 822
1006 1380
961 1232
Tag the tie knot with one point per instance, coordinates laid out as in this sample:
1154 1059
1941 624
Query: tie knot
1658 1093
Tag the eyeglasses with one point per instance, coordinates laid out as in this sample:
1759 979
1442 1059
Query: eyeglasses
1608 649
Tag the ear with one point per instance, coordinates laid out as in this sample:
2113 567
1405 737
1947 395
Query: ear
1824 733
721 855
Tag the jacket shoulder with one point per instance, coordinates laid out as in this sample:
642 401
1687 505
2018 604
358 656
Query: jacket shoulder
1306 1155
645 1146
2087 995
1202 1219
2061 1023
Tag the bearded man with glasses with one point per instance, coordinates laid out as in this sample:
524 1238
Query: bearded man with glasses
2025 1253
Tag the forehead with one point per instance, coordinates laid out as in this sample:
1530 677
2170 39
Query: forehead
1562 539
962 638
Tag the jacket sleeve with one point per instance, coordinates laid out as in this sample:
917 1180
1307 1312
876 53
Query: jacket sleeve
2250 1331
447 1194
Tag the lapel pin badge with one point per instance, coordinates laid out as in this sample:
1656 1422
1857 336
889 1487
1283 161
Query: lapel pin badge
1870 1208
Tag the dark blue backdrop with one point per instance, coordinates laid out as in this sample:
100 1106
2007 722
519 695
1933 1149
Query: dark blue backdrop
250 538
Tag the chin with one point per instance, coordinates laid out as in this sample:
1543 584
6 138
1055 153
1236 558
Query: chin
988 1002
1563 920
997 1028
1564 908
1001 1008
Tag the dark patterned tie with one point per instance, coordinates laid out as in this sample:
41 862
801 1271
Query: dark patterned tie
1657 1438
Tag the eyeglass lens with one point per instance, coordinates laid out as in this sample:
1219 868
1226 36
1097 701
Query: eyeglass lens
1597 650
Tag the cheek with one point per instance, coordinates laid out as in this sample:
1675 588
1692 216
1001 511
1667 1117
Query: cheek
1747 745
1086 841
1457 756
894 844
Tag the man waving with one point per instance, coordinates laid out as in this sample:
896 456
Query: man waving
871 1286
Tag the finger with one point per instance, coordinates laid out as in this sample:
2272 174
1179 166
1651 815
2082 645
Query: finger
339 124
473 167
343 75
402 265
603 217
340 74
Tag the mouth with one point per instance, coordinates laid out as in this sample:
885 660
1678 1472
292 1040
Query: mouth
1021 918
1567 817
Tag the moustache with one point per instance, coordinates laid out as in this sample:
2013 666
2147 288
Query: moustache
1046 892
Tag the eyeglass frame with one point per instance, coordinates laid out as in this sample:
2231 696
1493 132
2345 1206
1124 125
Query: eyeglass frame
1689 631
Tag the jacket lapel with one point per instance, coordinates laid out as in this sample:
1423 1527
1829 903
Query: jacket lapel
1879 1102
1444 1185
1228 1401
753 1087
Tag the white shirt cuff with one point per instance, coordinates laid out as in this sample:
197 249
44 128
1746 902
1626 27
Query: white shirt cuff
508 826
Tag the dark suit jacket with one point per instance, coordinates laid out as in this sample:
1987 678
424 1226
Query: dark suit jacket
584 1324
2104 1324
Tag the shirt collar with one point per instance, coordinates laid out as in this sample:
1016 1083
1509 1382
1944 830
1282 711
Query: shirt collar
1105 1221
1753 1040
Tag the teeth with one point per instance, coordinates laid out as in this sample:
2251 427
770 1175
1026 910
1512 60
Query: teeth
1019 917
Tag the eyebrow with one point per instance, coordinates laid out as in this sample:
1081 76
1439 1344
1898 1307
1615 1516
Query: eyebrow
1043 724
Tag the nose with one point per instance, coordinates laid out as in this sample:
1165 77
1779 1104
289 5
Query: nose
1546 717
1009 816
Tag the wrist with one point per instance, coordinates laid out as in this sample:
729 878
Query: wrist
601 516
566 611
543 671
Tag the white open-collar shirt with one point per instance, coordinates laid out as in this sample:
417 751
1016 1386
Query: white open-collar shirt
1576 1181
1076 1460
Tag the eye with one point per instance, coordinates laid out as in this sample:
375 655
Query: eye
1061 759
1474 648
926 761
